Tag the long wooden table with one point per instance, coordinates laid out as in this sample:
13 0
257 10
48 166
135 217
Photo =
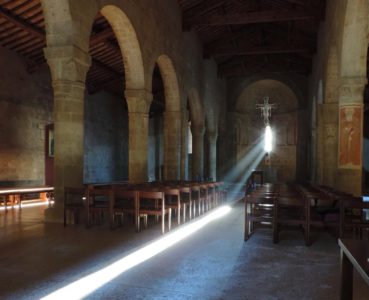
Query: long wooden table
354 253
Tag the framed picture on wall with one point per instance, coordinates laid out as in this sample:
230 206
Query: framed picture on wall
51 142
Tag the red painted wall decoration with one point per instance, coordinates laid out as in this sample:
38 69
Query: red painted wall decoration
350 136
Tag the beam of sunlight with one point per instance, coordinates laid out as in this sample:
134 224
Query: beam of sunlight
26 205
88 284
238 188
25 190
245 162
268 136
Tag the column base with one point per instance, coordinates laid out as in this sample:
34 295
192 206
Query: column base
54 215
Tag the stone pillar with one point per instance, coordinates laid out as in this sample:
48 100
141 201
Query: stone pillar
197 151
330 143
351 94
320 146
172 143
184 145
68 66
212 159
138 126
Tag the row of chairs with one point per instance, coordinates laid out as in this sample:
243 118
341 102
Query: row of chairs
185 199
282 206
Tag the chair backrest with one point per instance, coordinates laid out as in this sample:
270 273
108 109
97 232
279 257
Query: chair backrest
101 196
185 189
150 195
352 215
250 199
74 195
124 193
172 191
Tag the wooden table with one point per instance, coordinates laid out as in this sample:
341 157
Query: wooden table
354 253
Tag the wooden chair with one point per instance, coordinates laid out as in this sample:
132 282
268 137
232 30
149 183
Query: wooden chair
126 203
204 198
196 199
74 202
259 208
176 205
186 200
153 203
354 218
98 202
291 210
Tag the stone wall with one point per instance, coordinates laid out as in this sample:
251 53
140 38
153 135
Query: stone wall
106 139
25 108
241 134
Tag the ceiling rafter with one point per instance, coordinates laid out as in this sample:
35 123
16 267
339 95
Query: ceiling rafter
20 23
249 18
260 50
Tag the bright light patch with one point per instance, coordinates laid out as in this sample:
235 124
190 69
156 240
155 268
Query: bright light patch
88 284
268 143
26 205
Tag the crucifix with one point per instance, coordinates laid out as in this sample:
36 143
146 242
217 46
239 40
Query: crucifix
266 110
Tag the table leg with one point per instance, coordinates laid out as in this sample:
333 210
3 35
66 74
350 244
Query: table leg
137 213
346 277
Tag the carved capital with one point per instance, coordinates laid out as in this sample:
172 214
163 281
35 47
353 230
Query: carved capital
138 100
351 90
197 130
67 63
212 136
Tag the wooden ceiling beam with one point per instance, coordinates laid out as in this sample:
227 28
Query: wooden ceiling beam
101 36
241 71
260 50
249 18
29 28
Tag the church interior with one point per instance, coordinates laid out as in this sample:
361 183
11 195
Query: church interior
184 149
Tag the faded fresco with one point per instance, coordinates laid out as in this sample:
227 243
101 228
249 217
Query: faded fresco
350 137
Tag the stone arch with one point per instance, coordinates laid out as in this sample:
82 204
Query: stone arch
320 93
170 81
196 109
210 120
275 89
331 76
129 45
284 122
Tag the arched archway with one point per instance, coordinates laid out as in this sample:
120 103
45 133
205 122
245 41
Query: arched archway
172 117
282 164
196 131
129 45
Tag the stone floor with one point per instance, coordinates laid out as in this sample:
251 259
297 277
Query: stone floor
214 263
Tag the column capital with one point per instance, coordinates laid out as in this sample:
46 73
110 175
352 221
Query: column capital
67 63
138 100
197 129
351 90
173 114
212 136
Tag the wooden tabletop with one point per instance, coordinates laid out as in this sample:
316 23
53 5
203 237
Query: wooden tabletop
357 251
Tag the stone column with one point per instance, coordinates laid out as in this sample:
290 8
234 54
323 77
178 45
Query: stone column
172 144
68 66
138 126
212 159
184 145
351 94
330 142
197 151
